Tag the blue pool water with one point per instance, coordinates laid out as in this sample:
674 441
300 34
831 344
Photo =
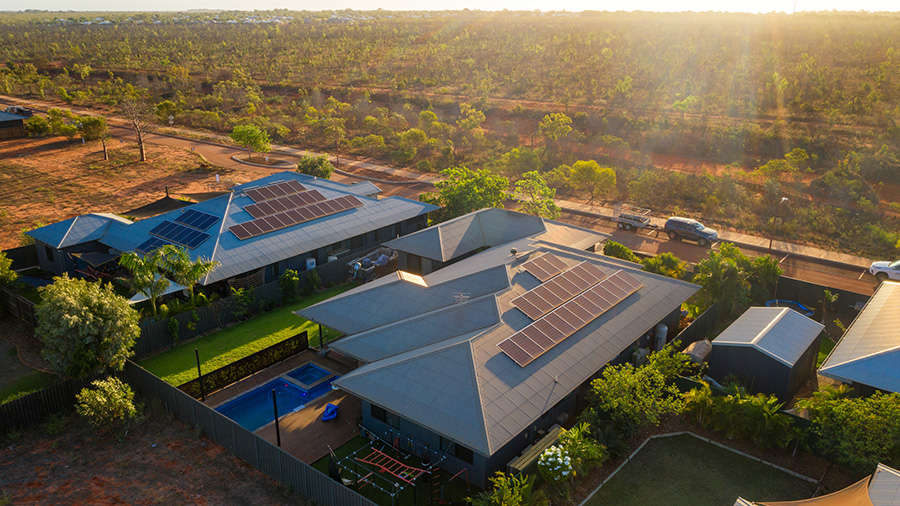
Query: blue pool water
309 374
253 409
796 306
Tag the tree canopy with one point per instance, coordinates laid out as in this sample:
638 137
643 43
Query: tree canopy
255 139
184 271
145 276
733 280
589 177
317 166
538 196
85 327
464 190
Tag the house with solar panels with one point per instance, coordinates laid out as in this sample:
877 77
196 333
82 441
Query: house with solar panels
474 361
256 231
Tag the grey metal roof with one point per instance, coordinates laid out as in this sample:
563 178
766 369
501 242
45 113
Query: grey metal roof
884 487
400 337
779 332
869 351
464 387
8 116
369 307
77 230
485 228
237 257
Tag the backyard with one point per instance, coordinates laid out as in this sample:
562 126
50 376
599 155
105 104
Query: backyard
686 470
431 489
179 365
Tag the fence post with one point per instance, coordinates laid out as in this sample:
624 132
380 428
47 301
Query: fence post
199 375
277 429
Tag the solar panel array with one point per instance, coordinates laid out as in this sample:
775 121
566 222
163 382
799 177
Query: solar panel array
283 204
179 234
292 217
151 244
542 335
550 295
196 219
545 266
275 190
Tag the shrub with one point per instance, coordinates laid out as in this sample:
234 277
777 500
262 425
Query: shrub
313 280
290 285
109 402
616 250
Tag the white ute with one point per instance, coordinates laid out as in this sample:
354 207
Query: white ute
885 270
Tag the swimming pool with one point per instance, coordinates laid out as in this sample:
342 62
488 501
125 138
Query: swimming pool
309 374
253 409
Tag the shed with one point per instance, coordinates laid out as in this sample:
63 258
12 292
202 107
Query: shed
12 126
771 350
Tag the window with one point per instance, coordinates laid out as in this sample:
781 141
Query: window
273 270
378 413
458 451
49 251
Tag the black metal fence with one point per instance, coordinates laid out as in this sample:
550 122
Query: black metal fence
811 294
34 408
18 306
298 476
235 371
701 328
22 257
157 336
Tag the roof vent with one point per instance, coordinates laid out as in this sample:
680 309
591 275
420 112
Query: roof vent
513 251
461 298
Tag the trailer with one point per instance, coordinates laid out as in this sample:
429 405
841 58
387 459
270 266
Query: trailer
630 218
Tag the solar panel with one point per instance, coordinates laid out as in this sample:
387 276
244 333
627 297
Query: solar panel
536 339
292 217
285 203
179 234
151 244
196 219
545 266
275 190
543 299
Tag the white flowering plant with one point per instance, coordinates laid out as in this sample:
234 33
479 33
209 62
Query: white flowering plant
555 465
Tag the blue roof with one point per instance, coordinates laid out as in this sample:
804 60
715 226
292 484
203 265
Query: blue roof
8 116
237 256
77 230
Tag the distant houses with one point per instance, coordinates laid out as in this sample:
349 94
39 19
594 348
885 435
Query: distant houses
490 345
255 231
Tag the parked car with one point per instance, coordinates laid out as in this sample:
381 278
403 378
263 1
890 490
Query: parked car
885 270
678 228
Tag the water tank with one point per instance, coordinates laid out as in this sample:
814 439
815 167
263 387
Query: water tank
332 258
661 332
310 263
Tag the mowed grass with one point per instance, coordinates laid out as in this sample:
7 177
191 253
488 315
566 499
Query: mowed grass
179 365
825 347
684 470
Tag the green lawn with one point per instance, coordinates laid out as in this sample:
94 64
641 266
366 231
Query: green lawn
178 365
684 470
26 384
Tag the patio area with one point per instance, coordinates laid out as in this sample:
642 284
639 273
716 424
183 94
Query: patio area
303 433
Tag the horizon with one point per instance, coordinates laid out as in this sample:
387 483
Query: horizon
573 6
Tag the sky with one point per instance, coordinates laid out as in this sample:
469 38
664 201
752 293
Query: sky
754 6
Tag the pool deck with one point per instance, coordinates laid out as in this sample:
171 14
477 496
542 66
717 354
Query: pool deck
303 434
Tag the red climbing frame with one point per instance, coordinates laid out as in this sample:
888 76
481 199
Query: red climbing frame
387 464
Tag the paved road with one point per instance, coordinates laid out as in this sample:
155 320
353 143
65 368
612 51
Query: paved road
813 264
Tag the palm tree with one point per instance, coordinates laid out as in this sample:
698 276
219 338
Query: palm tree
183 270
700 403
145 276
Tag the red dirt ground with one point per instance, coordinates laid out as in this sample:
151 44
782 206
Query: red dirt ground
160 461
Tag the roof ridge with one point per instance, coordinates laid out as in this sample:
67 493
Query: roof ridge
71 226
774 321
480 399
225 215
